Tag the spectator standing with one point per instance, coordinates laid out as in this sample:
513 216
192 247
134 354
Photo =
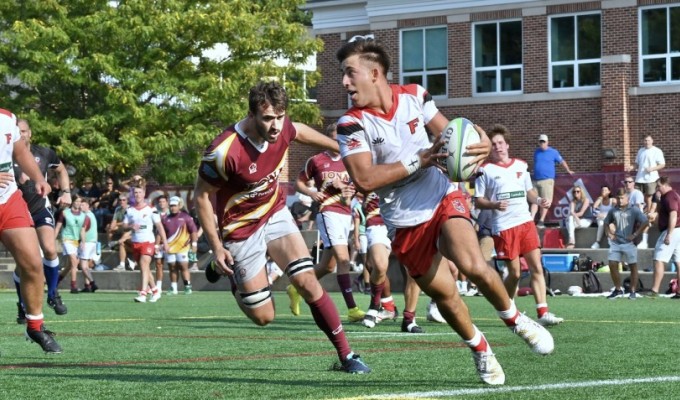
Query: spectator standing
545 158
118 235
649 161
621 222
504 187
43 218
601 207
385 146
636 199
580 214
244 163
668 244
17 232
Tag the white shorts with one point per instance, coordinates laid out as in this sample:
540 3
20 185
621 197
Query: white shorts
69 247
172 258
158 251
334 228
250 255
363 244
377 234
88 252
663 252
617 252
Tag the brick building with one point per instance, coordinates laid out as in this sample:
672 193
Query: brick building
592 75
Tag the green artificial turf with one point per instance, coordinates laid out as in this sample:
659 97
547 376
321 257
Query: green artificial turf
201 347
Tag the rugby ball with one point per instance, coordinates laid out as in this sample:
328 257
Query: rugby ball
458 134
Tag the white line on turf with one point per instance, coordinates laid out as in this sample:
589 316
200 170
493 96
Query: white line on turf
536 388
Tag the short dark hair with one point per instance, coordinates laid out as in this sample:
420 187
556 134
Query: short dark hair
621 192
267 93
499 129
664 180
331 128
368 49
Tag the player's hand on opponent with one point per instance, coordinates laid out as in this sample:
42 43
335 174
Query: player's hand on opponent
223 261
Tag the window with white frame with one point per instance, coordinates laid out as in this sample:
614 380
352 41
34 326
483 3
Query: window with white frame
575 51
660 44
424 58
497 57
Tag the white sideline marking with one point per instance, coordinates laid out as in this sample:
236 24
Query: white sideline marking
507 389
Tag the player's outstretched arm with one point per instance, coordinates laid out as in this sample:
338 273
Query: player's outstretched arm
312 137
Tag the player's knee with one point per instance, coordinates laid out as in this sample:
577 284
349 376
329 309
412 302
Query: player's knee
299 266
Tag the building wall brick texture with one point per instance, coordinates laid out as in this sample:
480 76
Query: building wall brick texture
580 128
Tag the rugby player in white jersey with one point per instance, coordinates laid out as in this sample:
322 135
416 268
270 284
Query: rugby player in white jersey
504 187
385 146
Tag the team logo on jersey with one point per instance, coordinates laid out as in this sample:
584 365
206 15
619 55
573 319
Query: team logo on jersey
458 206
326 165
378 141
412 125
353 144
519 174
253 168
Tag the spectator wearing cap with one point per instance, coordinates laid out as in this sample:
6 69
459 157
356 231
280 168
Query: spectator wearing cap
545 158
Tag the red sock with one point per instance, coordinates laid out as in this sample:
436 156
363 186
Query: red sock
541 311
511 321
389 305
74 284
328 320
34 324
482 346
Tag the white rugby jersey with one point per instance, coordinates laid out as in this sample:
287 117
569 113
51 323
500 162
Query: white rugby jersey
393 137
10 132
146 217
509 182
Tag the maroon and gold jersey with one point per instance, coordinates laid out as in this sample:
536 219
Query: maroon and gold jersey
372 210
324 169
247 177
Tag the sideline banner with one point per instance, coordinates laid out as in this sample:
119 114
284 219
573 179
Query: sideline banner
592 183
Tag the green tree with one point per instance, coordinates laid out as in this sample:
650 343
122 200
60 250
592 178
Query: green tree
112 86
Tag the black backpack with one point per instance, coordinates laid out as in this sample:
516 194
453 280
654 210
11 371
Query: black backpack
626 285
590 283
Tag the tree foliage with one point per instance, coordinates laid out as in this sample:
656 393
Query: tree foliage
113 86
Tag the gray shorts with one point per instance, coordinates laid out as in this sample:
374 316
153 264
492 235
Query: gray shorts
250 255
621 252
